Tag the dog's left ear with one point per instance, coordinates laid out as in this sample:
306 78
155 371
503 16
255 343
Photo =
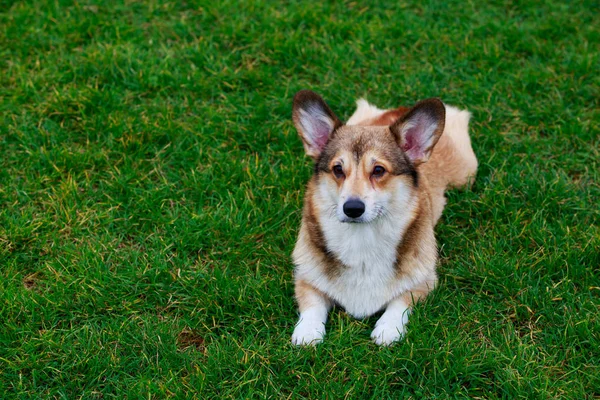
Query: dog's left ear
419 130
314 121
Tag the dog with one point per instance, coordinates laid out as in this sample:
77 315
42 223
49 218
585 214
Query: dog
366 242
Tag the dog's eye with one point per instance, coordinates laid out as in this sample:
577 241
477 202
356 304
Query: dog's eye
378 171
338 171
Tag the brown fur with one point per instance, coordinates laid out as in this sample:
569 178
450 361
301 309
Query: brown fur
387 118
330 263
306 295
360 140
408 246
420 230
358 149
446 157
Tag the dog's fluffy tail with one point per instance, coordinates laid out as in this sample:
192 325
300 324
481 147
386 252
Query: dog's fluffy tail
364 111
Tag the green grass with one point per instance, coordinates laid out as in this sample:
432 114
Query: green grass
151 183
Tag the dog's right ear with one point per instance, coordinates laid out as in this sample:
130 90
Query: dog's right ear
314 121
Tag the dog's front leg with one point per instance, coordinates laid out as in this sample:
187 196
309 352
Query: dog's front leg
391 326
313 306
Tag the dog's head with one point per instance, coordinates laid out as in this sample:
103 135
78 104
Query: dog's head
366 171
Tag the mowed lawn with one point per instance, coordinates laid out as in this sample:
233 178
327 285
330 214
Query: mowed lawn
151 184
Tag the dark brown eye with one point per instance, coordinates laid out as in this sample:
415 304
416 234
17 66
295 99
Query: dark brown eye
378 171
338 171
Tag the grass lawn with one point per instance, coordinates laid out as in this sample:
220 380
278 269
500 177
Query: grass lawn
151 184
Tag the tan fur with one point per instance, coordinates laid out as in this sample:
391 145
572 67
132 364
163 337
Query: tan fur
311 237
452 154
452 163
384 119
360 146
307 296
418 245
418 237
418 293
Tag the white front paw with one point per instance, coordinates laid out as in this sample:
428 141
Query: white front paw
387 332
308 332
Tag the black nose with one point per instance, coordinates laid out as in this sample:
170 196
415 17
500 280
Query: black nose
354 208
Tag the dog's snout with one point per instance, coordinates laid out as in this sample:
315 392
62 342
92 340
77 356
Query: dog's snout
354 208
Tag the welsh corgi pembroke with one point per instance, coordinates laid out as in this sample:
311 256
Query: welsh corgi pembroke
367 238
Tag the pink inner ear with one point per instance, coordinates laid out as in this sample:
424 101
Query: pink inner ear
420 129
321 132
414 141
409 142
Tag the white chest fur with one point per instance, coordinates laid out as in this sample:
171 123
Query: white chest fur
368 281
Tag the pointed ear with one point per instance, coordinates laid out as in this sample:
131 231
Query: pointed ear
314 121
418 131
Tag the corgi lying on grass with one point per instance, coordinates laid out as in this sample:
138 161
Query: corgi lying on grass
366 242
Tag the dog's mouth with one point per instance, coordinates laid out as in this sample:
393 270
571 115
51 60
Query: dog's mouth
349 220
